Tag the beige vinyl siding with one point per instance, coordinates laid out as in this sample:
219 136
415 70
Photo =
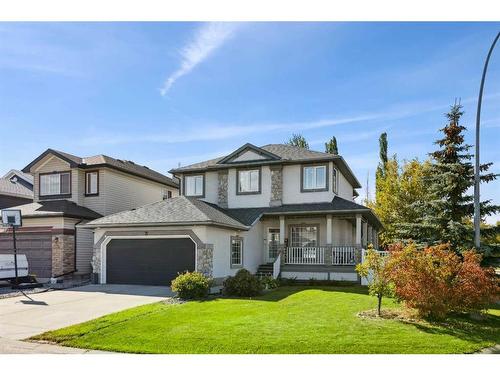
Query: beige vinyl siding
122 192
96 203
84 250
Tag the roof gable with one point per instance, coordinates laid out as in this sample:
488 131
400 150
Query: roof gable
72 160
248 153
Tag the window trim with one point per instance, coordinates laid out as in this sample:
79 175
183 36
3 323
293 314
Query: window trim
238 170
48 196
184 184
317 225
231 264
335 180
87 194
327 177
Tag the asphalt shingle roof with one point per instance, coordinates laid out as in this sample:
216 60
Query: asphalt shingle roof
8 187
186 210
285 154
60 207
107 161
177 210
248 216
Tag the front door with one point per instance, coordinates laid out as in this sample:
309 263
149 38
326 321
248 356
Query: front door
273 241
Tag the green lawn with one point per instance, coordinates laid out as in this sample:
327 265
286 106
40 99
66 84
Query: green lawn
287 320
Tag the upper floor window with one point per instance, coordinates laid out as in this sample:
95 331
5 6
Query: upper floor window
248 181
55 184
314 178
335 180
92 183
193 186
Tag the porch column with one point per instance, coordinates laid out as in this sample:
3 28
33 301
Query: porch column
282 230
369 236
358 230
281 247
365 232
329 237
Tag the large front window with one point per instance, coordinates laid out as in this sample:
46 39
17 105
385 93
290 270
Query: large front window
194 186
314 177
55 184
249 181
304 236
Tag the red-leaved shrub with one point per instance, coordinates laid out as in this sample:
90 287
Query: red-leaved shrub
436 281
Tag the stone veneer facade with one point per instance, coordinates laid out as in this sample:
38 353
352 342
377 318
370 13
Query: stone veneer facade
276 185
222 188
205 260
63 254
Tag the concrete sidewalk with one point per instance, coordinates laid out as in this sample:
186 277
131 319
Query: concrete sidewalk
8 346
26 316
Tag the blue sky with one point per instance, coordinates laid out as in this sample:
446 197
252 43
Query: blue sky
161 94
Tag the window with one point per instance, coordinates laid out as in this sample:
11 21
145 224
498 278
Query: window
314 178
335 180
304 236
92 183
194 186
169 194
248 181
236 252
55 184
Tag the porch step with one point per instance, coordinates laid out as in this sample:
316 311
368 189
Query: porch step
264 270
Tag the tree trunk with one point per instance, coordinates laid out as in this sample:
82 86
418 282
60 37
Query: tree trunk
379 307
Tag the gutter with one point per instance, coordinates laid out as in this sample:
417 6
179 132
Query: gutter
160 224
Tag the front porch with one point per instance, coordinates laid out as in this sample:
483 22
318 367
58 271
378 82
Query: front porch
323 247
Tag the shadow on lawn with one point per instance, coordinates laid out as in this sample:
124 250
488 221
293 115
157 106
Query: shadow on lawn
463 327
284 292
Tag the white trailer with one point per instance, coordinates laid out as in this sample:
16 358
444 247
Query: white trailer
8 269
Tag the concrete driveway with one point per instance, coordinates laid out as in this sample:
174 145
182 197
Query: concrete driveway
23 317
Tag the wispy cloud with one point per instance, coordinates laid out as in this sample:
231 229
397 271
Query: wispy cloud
206 40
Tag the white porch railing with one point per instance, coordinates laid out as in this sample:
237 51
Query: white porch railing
344 255
277 267
305 255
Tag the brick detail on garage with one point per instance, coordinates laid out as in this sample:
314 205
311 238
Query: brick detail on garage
63 254
205 260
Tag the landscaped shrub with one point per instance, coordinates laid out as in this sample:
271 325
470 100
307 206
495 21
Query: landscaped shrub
243 284
269 282
437 281
191 285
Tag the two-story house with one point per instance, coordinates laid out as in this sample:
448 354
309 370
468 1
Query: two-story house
69 191
275 209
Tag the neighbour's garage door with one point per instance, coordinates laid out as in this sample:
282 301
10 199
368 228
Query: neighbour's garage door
148 261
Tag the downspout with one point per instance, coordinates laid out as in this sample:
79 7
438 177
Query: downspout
76 238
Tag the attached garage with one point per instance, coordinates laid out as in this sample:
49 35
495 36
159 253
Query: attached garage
155 261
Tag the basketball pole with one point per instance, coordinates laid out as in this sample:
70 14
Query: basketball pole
15 254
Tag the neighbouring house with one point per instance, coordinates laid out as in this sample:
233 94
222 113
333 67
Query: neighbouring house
275 209
16 188
70 191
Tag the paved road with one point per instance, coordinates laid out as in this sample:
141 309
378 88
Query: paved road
23 317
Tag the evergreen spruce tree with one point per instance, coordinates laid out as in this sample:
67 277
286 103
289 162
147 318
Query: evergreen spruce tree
446 214
383 156
331 146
